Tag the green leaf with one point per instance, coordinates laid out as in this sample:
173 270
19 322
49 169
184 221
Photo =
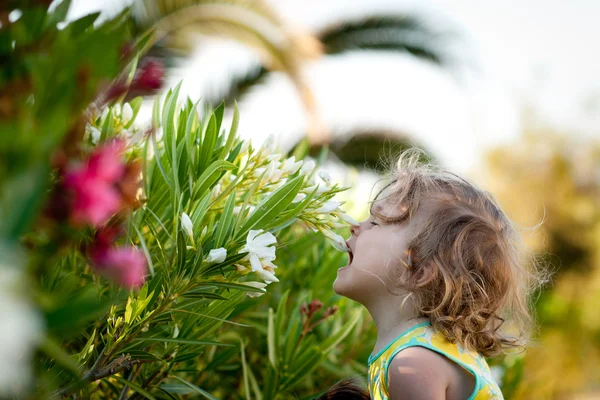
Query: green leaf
89 346
301 367
208 143
248 196
142 355
128 311
156 113
145 248
226 222
107 127
280 318
201 208
218 113
181 252
336 338
170 135
195 388
53 350
274 205
210 176
59 14
76 312
134 386
78 26
230 285
181 341
176 388
245 370
199 294
271 339
191 132
232 131
291 339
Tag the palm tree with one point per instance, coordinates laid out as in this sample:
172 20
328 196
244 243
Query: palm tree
174 24
257 25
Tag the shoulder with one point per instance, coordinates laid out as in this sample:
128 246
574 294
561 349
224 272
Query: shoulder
418 373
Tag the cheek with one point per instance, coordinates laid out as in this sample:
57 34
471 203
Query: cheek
377 252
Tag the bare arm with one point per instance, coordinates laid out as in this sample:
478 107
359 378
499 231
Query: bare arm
417 373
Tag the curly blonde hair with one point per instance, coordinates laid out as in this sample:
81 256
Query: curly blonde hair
467 267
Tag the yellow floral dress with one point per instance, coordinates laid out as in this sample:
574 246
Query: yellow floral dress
425 336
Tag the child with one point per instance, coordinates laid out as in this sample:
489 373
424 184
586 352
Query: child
444 275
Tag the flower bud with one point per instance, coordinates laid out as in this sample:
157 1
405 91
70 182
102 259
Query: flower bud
186 224
217 255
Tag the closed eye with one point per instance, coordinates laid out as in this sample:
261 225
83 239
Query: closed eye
374 223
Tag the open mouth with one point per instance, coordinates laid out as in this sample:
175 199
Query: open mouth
350 254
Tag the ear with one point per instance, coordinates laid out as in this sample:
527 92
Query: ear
425 274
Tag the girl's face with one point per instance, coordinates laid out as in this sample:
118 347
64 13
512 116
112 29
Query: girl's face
377 250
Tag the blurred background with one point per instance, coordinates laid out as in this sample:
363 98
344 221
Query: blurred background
504 93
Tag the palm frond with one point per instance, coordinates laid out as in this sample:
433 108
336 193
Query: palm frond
177 22
393 33
404 33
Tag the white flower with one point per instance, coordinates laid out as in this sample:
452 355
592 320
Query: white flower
216 190
126 113
346 218
326 177
238 209
242 268
322 188
299 197
136 137
317 183
273 172
336 240
186 224
308 167
95 134
258 285
267 276
269 144
21 329
217 255
104 115
258 243
116 110
328 207
291 166
261 253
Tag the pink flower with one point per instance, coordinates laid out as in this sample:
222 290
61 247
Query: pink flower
150 77
126 265
94 184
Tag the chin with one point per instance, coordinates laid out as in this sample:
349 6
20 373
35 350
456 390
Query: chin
344 288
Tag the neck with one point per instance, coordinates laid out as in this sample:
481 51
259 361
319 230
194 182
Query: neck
391 318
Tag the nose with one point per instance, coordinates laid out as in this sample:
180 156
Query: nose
355 229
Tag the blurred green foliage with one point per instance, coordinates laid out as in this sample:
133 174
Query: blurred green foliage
553 180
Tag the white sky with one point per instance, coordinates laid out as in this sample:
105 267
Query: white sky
537 52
